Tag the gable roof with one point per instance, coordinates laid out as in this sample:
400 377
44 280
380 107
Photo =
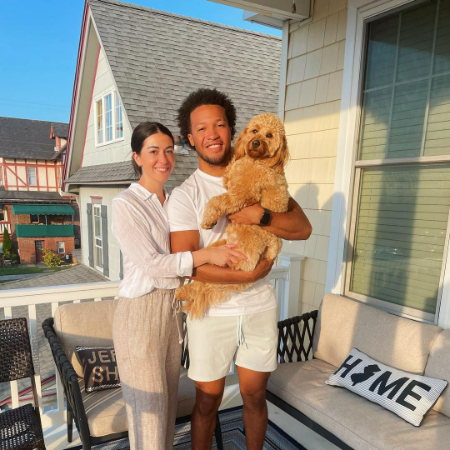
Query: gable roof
123 172
26 139
158 58
60 130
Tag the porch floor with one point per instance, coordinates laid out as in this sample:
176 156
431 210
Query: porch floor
55 438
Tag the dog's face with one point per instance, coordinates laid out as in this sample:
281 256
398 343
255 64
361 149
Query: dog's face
263 138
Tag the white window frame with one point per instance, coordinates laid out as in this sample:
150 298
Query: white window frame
114 94
95 208
63 247
360 12
35 176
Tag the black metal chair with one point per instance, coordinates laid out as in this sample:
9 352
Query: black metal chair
20 428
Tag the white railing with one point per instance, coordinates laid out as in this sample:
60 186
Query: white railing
3 226
285 277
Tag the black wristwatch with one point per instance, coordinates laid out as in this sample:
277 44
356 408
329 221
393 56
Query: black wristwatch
265 218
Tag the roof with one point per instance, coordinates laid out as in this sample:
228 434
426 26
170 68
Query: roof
158 58
26 139
30 196
60 129
123 172
59 209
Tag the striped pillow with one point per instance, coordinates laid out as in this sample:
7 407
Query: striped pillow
410 396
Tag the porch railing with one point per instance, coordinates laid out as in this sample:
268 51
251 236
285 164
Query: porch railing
4 225
285 277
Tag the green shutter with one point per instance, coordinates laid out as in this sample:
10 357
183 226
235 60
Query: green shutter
401 229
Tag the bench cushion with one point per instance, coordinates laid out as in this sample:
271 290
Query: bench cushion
356 421
439 367
343 324
94 330
105 410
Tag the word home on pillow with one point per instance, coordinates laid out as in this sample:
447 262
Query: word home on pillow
408 395
99 368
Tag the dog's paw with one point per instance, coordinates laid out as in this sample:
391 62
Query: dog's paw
206 225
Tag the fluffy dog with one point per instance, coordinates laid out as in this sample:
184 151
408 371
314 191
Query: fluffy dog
255 175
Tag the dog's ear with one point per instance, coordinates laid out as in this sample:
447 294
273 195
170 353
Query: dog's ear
239 149
283 155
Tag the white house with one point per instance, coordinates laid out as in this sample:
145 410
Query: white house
365 98
137 64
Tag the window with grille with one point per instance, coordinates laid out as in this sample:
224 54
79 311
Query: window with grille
98 245
400 222
108 119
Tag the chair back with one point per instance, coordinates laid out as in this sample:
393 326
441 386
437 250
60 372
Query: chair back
15 350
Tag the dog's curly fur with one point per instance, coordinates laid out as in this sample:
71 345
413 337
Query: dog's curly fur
255 175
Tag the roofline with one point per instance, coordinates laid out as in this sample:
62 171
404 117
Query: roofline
94 183
75 94
51 122
189 19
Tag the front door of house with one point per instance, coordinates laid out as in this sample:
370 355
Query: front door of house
39 246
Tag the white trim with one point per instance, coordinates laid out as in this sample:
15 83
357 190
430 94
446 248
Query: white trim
359 13
283 69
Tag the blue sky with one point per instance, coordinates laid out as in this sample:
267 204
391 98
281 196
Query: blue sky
39 44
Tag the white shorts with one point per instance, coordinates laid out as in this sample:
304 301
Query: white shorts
214 341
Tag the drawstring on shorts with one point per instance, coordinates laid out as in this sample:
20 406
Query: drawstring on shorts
241 336
176 308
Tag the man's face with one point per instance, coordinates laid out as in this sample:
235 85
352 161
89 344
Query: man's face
210 134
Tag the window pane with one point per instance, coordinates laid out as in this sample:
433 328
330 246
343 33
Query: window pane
438 129
400 234
416 42
108 117
32 180
119 121
97 227
99 256
99 121
442 50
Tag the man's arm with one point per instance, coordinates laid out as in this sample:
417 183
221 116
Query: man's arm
292 225
189 241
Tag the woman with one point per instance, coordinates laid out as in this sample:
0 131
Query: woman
147 327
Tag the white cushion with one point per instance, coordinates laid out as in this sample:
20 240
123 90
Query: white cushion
408 395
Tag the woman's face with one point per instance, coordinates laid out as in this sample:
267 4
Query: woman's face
156 157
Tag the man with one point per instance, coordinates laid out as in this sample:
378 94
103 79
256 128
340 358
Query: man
244 326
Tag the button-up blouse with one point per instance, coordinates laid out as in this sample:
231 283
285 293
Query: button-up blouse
141 226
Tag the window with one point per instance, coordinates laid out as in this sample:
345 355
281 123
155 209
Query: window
402 176
98 249
108 118
99 121
119 122
34 218
32 180
61 247
2 214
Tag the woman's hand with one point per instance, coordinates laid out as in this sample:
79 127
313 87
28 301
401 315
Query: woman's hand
225 255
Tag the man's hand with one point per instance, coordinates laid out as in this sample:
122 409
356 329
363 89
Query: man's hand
261 270
250 215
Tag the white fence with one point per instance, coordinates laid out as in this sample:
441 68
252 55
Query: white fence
285 277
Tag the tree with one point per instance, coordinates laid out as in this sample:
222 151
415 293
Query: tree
7 244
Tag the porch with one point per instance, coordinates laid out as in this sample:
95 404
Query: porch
39 303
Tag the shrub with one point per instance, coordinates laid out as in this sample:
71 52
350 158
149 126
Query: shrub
52 258
7 244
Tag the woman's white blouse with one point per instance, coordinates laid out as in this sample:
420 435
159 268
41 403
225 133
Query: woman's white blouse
141 226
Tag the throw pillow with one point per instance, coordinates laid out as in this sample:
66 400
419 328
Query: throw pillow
99 368
410 396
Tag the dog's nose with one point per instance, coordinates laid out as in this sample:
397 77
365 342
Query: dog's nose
256 143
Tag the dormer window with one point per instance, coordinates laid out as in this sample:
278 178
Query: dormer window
108 118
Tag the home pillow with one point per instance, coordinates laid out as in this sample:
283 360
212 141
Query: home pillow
99 368
410 396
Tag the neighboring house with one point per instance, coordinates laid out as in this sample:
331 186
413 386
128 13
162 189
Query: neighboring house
365 98
31 207
137 64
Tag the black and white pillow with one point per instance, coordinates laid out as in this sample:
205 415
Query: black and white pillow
99 368
410 396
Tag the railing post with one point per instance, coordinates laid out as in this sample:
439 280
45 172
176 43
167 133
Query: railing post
290 290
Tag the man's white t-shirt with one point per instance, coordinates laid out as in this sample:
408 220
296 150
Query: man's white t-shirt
187 204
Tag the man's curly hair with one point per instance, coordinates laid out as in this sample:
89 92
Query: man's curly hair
204 97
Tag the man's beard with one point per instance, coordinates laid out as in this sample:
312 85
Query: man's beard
219 160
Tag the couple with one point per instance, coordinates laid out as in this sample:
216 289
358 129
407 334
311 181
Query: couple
147 324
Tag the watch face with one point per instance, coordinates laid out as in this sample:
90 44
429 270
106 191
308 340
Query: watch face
265 218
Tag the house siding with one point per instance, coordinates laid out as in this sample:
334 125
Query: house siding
115 151
103 196
313 82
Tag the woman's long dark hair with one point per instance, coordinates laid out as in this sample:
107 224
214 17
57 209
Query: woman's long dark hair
140 134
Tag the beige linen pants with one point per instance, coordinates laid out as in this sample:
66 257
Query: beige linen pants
148 353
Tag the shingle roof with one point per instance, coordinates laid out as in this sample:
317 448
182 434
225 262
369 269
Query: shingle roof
61 129
158 58
30 196
26 139
113 173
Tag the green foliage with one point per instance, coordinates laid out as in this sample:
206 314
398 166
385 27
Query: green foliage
51 258
7 244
